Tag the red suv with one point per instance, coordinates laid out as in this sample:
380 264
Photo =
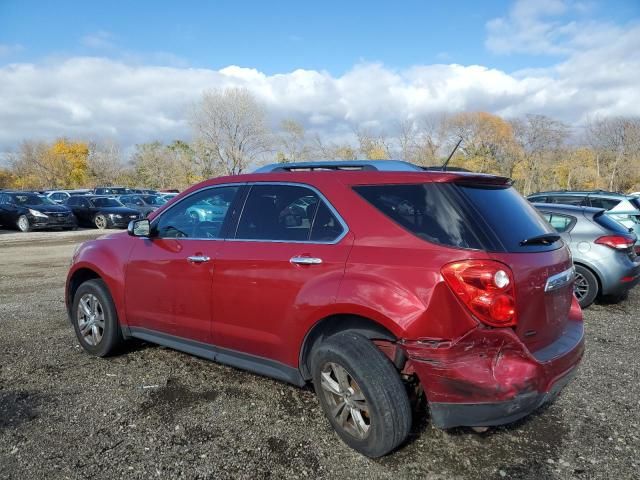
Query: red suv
369 279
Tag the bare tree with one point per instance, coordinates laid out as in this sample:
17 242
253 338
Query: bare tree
292 142
332 150
105 163
230 131
540 139
616 141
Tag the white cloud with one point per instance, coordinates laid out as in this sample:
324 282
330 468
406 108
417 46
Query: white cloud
96 97
534 27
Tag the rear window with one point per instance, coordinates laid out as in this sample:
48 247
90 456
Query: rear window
462 216
609 223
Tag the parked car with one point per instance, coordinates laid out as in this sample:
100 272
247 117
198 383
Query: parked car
61 196
606 263
463 292
30 211
624 209
145 191
145 204
111 191
168 196
101 211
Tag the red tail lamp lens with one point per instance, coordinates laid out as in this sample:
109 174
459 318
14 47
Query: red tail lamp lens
618 242
486 289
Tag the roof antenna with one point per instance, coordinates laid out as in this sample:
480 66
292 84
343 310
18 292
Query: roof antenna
446 162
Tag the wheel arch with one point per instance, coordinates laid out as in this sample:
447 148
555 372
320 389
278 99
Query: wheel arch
595 272
78 277
337 323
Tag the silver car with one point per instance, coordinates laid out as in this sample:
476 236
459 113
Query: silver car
603 254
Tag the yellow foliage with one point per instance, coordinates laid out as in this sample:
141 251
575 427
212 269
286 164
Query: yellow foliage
72 158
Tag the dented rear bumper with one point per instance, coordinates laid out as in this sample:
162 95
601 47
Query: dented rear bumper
489 377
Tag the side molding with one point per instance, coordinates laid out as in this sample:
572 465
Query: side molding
244 361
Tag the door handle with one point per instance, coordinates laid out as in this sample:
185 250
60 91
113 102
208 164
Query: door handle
198 259
305 260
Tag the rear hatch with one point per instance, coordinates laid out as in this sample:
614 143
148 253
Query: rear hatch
535 257
486 214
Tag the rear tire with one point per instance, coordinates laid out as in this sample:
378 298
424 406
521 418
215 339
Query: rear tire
95 320
23 224
361 394
585 286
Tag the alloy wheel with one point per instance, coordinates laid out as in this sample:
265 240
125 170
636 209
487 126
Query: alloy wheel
90 318
101 222
580 286
346 400
23 223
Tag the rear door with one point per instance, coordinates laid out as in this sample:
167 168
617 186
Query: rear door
285 261
168 277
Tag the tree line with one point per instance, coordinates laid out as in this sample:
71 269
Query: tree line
231 134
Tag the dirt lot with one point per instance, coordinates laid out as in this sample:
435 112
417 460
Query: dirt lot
153 412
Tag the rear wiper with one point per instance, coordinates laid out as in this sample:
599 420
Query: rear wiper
544 239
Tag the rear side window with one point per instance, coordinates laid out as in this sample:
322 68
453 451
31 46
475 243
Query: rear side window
287 213
606 203
561 223
463 216
538 199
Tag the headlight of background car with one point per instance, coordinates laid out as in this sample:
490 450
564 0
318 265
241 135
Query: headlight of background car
116 215
36 213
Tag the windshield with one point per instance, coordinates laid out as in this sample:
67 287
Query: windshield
153 200
46 200
105 202
28 199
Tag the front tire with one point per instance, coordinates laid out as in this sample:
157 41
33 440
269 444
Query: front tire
23 223
585 286
95 320
100 221
361 394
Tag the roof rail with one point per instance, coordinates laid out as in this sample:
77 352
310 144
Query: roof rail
342 165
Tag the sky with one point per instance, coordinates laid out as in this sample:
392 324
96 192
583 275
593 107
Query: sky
132 71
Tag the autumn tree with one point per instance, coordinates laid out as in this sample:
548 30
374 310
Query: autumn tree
487 142
373 146
230 131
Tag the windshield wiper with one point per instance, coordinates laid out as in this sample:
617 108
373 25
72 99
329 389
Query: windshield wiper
544 239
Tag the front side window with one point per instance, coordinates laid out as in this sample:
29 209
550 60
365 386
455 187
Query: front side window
287 213
201 215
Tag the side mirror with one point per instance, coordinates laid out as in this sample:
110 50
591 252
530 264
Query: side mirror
139 228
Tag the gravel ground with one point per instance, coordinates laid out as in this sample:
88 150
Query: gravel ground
153 412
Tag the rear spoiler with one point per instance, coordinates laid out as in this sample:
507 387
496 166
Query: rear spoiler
483 179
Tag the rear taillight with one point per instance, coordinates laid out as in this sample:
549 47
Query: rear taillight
618 242
486 288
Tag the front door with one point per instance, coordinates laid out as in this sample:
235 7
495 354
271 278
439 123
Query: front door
284 264
169 276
